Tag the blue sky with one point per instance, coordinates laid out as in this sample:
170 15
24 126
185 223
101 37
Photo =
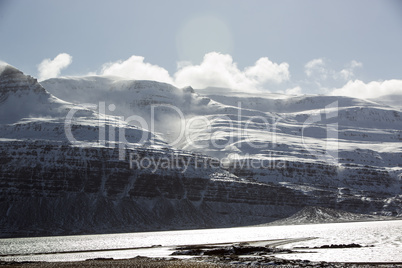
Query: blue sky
323 45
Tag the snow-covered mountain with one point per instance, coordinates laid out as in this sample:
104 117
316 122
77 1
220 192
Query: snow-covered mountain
273 152
51 184
392 100
302 131
28 111
363 137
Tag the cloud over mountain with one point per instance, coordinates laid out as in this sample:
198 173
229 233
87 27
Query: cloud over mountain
318 69
216 70
348 72
219 70
51 68
374 89
135 68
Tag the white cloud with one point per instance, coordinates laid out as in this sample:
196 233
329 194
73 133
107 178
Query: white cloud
51 68
354 64
216 70
135 68
348 73
294 91
316 67
265 70
318 70
219 70
182 64
374 89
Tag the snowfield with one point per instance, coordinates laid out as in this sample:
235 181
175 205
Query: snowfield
379 241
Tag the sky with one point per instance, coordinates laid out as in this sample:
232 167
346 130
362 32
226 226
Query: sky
298 47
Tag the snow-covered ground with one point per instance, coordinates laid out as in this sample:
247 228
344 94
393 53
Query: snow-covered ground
380 241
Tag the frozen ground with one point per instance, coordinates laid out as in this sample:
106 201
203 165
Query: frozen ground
381 241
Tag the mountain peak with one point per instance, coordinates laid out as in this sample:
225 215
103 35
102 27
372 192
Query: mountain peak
21 96
13 80
8 69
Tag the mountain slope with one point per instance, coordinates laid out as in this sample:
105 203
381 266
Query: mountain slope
289 138
73 168
27 110
50 184
310 215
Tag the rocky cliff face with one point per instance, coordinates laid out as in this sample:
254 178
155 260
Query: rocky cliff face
54 188
50 188
49 185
